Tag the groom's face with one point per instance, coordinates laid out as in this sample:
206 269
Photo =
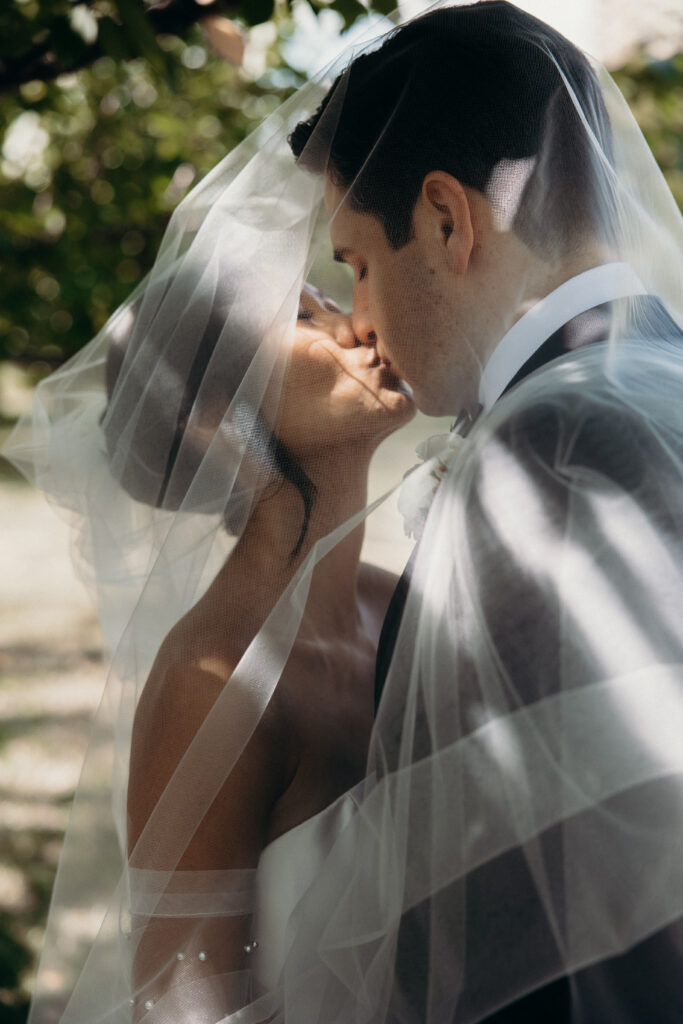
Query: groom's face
404 303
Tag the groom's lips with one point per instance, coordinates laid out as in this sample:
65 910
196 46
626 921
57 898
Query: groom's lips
396 382
392 381
389 378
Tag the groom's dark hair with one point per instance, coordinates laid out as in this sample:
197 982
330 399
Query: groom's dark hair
460 90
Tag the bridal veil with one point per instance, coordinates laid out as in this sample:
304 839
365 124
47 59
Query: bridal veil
522 813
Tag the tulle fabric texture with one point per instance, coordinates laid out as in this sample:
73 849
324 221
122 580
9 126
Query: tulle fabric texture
521 816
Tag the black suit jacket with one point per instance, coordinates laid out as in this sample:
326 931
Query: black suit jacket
585 329
646 978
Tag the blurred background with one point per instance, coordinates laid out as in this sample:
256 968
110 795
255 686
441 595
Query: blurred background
110 111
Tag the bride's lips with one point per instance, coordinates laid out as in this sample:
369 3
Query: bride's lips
370 360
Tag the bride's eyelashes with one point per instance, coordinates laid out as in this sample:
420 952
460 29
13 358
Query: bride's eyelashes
305 314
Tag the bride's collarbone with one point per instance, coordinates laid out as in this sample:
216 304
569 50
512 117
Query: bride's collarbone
338 668
326 698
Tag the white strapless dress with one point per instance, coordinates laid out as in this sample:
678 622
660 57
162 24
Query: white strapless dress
286 869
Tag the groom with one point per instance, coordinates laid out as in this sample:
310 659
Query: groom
462 190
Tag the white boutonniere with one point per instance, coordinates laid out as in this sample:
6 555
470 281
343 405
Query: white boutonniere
421 483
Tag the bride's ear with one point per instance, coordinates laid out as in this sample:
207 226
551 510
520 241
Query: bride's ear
446 207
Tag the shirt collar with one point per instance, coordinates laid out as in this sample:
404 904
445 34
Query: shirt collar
593 287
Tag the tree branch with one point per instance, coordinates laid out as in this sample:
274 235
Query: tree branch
41 62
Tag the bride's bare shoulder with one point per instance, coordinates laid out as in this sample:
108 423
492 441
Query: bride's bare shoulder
190 675
190 672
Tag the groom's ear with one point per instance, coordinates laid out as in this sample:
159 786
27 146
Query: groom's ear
446 207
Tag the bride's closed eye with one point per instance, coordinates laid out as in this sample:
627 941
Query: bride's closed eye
305 314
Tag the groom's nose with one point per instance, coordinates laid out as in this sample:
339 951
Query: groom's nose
363 326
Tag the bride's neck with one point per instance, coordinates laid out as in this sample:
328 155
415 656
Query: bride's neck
264 554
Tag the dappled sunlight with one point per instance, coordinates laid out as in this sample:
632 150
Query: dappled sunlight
601 570
599 558
605 617
52 679
21 815
15 894
641 549
653 713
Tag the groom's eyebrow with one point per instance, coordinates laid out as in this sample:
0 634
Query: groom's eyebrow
341 255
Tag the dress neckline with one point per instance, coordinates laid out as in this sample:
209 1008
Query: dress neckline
309 823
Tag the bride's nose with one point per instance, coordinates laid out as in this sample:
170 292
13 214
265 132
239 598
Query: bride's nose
342 331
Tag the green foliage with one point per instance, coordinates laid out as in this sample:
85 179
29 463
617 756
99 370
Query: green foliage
45 38
14 959
93 164
94 159
654 90
33 853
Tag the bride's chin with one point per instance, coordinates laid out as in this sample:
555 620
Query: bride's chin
396 405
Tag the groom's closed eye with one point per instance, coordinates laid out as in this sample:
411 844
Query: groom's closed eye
344 256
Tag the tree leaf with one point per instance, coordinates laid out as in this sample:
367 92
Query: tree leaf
68 45
255 12
350 10
113 40
141 35
384 6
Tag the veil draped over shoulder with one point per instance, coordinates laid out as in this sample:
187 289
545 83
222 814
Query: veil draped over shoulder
521 814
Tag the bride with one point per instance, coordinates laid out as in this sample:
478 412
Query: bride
211 447
310 746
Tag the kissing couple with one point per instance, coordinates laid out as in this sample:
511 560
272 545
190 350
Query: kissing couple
324 787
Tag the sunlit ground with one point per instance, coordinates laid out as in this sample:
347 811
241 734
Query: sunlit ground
52 675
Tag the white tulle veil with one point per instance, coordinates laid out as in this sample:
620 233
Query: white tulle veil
521 814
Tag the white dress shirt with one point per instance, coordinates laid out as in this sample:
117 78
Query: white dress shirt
593 287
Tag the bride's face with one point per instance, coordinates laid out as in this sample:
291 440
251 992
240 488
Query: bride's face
336 392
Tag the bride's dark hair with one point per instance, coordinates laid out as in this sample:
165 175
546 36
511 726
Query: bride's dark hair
167 486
